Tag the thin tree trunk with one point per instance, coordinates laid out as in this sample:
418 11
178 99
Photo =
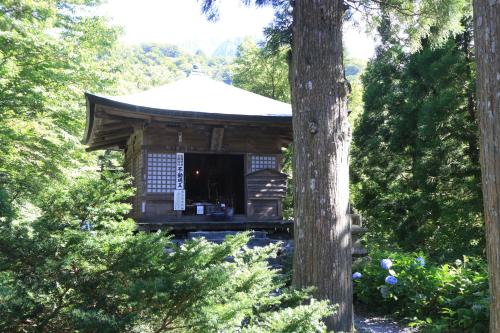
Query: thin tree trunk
468 50
322 256
487 43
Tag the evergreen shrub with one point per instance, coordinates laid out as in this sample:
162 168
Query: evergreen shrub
82 267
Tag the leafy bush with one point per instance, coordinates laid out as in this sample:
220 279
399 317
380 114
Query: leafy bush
444 298
82 267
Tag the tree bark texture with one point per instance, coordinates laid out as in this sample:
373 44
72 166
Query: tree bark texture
322 256
487 43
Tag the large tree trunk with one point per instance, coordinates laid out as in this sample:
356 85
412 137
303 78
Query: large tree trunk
487 43
321 134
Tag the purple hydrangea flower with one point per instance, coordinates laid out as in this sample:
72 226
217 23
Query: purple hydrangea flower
391 280
356 275
386 263
421 261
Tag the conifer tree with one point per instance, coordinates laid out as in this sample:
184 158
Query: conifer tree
82 267
322 135
415 167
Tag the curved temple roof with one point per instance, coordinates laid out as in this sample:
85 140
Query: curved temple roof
199 93
196 96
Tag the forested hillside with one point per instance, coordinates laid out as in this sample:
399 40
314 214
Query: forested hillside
149 65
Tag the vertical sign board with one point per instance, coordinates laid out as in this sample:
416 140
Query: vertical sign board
179 171
179 193
179 200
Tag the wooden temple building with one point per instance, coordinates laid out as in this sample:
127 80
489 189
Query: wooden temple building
204 155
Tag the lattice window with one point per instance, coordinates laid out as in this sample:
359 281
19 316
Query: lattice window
161 173
260 162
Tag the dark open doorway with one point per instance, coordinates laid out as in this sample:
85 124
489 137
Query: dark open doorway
215 179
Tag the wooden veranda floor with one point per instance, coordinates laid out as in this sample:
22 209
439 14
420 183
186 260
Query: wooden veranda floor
190 223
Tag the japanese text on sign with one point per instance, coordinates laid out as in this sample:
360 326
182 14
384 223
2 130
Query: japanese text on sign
179 172
179 200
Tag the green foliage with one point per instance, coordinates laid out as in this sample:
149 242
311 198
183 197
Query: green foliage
354 68
263 72
48 56
439 298
81 267
6 211
415 21
301 319
415 171
47 49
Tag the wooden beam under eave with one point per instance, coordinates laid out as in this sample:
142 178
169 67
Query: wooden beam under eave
127 114
106 144
108 128
217 138
118 117
124 133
